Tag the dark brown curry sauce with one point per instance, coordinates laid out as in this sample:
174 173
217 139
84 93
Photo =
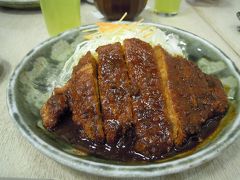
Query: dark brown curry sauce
123 150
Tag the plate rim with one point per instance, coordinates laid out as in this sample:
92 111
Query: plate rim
113 170
20 4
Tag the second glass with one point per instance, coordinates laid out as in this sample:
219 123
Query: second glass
60 15
167 7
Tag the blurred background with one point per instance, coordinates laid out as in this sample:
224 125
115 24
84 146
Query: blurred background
60 15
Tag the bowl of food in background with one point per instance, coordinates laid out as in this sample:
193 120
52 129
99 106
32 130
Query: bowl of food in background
114 10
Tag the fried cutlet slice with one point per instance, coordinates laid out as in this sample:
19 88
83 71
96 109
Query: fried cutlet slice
114 86
176 85
208 98
193 97
84 98
80 97
153 129
56 106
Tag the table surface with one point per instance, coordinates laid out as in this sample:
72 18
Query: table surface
21 30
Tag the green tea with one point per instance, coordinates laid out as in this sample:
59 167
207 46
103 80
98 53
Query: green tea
60 15
167 6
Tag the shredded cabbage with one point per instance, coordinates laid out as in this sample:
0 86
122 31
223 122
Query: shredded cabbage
150 34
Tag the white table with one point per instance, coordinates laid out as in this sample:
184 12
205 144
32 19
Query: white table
21 30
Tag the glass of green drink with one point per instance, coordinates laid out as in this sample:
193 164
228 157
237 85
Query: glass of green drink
60 15
167 7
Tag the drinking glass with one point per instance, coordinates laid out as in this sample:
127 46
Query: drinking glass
60 15
167 7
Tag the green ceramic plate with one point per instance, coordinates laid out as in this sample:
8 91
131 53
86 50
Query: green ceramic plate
20 4
30 86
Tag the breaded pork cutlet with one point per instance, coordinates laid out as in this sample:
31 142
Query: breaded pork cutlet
114 87
79 96
84 98
162 99
153 128
55 107
193 97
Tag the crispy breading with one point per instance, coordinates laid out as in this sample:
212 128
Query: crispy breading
55 107
84 98
194 97
114 89
153 128
80 97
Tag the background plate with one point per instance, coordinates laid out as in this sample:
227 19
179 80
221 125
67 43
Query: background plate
20 4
